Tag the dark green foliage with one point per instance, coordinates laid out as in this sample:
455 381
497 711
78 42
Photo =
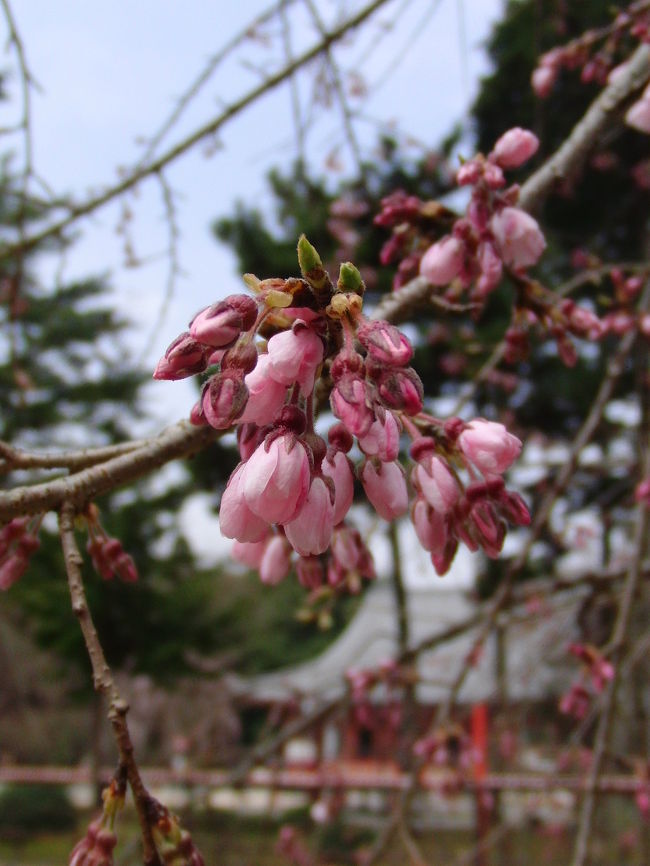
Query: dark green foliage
29 809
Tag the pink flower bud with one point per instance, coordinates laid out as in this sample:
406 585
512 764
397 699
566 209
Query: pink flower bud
469 173
236 519
491 269
443 261
401 389
493 176
310 532
221 324
350 404
430 526
294 356
249 553
224 398
382 439
385 488
638 115
515 147
543 79
489 446
275 562
337 467
642 492
517 237
443 559
385 343
309 571
265 395
436 482
275 480
184 357
12 569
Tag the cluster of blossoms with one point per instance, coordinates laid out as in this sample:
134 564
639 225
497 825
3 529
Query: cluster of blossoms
391 679
277 357
107 554
596 64
449 746
597 672
18 541
495 233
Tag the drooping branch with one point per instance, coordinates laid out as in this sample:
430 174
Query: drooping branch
103 679
602 115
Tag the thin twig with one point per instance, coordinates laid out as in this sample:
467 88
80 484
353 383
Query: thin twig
103 679
209 129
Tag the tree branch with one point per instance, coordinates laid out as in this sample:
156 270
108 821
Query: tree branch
103 679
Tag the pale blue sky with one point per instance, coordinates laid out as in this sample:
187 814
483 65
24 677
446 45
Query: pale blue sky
109 73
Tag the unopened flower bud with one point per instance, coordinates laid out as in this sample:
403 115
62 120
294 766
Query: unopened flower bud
401 389
517 236
385 343
515 147
184 357
443 261
275 563
489 446
385 487
220 324
224 398
310 572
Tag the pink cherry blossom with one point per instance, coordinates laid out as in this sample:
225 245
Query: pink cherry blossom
543 79
385 343
337 467
275 562
491 269
349 400
443 261
184 357
385 488
221 324
249 553
430 526
518 238
310 532
223 398
265 394
514 147
382 439
434 479
294 356
275 480
236 520
489 446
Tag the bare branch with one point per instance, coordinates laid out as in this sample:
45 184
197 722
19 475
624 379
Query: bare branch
209 129
601 117
103 679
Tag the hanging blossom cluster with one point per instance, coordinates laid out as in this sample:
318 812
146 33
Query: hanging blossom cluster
495 238
596 673
18 542
274 359
594 52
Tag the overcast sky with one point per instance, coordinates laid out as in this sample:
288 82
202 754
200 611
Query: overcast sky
109 75
110 72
